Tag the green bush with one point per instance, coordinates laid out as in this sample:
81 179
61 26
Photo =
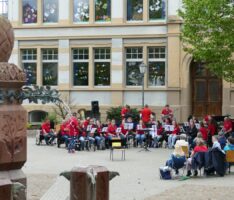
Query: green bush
115 113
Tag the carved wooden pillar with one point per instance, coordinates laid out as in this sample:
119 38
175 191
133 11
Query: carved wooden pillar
13 117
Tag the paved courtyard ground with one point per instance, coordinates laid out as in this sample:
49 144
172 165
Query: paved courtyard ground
138 180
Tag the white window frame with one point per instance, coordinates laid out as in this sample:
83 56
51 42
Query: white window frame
106 60
132 60
158 20
135 21
79 61
157 60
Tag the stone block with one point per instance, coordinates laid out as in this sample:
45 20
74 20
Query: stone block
5 189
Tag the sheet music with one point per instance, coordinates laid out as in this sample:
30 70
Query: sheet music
139 127
128 126
104 129
186 124
89 127
118 130
93 130
172 128
154 131
167 127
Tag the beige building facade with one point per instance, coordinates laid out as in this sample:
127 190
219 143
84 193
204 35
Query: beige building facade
90 50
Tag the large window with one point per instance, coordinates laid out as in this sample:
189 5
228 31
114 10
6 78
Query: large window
134 10
4 8
50 11
134 57
80 67
80 10
157 64
102 10
102 66
50 66
157 9
29 11
29 63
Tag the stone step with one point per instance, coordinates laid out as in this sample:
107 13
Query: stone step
59 190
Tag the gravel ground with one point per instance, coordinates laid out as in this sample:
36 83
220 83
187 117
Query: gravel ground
139 175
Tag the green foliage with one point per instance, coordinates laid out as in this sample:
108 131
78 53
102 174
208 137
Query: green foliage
115 113
54 117
208 34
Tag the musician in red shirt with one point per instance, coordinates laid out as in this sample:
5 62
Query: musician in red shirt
73 133
172 137
203 131
166 112
125 110
111 130
146 114
140 133
63 134
227 127
47 132
212 130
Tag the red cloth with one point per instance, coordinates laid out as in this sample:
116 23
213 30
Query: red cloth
63 129
212 129
200 149
145 115
123 131
85 124
124 111
227 125
45 127
176 130
111 129
166 111
204 133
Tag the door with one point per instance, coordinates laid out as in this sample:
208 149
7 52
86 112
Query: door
206 91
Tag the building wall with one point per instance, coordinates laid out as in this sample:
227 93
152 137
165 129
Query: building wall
116 34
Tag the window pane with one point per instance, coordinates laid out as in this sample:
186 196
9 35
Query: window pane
134 53
135 10
133 75
50 73
4 8
29 54
80 10
29 11
31 72
102 10
102 73
81 54
49 54
157 9
50 11
81 74
156 73
102 53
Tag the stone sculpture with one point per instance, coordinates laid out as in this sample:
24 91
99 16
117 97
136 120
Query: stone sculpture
13 117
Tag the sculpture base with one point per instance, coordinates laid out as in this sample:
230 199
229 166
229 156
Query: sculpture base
15 176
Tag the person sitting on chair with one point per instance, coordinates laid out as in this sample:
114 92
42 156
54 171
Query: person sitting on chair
98 135
166 113
111 130
172 137
200 147
227 127
191 133
182 141
230 144
64 133
140 133
47 132
177 159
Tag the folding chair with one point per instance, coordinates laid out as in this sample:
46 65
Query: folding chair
230 159
116 144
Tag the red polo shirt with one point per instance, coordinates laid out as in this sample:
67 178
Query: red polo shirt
212 129
176 130
204 133
145 115
124 111
166 112
112 129
227 125
46 127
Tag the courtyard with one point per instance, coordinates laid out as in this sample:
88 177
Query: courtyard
138 180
